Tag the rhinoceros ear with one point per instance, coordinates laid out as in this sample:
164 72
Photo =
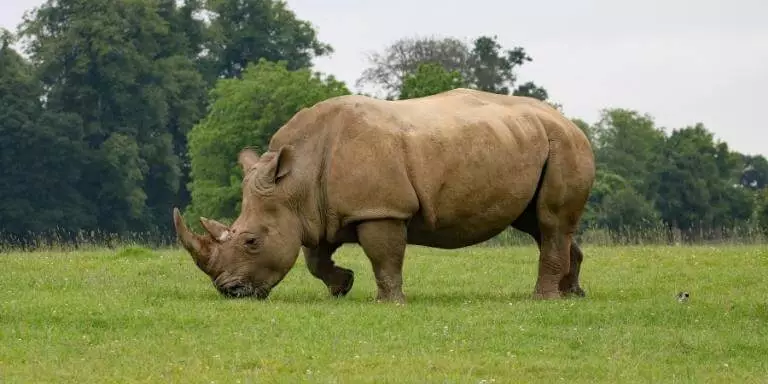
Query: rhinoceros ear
247 159
279 165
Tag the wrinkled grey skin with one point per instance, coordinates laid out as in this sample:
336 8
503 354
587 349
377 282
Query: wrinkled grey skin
444 171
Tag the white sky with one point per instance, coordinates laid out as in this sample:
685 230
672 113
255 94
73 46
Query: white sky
681 61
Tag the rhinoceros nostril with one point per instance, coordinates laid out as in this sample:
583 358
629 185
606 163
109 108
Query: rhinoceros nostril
238 291
235 290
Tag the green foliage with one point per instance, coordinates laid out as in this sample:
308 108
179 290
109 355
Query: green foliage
38 155
626 210
762 211
686 180
389 68
6 39
484 65
246 112
693 191
244 31
615 204
430 79
530 89
123 82
127 77
628 144
493 68
755 172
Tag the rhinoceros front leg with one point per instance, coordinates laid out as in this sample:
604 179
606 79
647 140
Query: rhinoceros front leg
384 243
338 280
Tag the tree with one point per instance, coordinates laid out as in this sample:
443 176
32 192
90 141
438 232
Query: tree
614 204
246 112
628 144
39 159
244 31
403 57
430 79
754 175
493 69
626 211
124 74
530 89
762 211
484 65
695 191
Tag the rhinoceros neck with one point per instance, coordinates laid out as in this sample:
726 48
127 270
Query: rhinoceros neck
313 133
308 140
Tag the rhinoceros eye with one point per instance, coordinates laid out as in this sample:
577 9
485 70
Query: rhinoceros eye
252 242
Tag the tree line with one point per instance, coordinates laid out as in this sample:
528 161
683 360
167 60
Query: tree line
113 111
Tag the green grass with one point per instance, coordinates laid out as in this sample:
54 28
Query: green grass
135 315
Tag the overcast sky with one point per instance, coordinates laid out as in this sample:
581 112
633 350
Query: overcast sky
682 61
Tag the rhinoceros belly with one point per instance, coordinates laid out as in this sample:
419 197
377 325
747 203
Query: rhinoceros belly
473 187
460 219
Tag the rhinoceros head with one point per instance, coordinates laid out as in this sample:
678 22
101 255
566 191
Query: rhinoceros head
254 254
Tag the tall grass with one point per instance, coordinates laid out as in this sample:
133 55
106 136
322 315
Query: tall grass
744 234
58 239
741 234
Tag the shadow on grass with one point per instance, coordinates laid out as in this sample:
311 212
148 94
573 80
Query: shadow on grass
429 299
362 296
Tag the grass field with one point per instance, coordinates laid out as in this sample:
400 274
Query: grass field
135 315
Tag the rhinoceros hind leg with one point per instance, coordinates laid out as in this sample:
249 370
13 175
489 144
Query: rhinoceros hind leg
528 222
384 243
569 285
556 210
554 263
338 280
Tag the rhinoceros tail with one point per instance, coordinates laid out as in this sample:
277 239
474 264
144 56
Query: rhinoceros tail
528 221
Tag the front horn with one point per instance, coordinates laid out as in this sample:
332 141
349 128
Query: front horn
197 246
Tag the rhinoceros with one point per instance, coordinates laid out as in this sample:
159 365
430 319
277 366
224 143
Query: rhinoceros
446 171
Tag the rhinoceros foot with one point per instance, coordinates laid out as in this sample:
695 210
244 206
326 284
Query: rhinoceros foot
569 287
575 291
346 280
547 295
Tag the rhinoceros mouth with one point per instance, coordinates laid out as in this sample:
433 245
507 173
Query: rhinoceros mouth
237 290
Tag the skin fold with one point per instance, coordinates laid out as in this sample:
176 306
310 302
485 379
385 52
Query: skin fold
446 171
